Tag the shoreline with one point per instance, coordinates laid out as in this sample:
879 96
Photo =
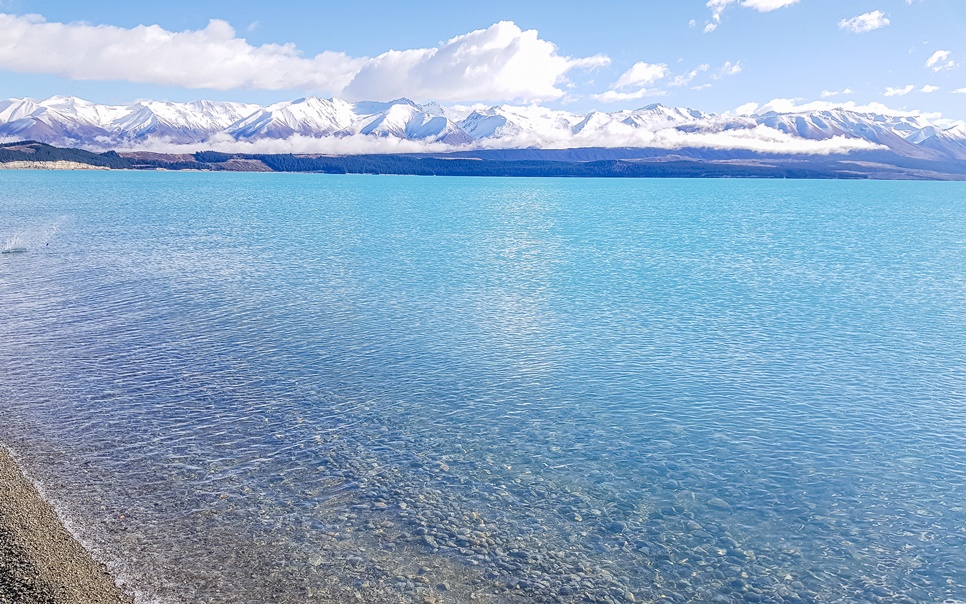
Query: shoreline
49 165
590 162
40 561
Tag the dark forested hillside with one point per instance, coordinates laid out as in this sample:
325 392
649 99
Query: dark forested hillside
34 151
601 163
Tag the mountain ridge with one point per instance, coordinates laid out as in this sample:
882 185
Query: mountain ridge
317 124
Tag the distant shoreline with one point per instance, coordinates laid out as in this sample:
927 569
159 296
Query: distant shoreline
40 562
561 163
49 165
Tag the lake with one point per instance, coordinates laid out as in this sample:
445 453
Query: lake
314 388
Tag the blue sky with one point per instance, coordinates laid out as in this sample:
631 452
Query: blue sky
712 55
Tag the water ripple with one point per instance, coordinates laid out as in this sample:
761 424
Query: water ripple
241 388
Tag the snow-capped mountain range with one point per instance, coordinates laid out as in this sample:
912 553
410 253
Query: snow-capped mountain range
337 126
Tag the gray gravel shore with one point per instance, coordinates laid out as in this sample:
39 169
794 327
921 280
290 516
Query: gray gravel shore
40 562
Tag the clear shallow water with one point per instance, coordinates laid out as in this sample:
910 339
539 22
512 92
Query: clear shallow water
240 388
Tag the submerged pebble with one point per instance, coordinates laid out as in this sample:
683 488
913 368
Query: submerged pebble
502 406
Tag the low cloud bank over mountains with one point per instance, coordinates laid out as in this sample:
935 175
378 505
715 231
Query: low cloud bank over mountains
317 125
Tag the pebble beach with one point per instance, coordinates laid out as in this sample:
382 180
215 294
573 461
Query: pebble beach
40 562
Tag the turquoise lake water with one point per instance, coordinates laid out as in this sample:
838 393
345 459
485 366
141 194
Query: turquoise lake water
311 388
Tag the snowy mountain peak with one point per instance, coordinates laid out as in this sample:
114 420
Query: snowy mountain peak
19 109
957 132
70 121
374 107
434 108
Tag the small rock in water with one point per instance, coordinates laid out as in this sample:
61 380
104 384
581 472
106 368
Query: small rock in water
315 560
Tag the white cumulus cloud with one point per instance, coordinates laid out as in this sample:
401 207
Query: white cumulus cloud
635 83
746 109
899 91
763 6
728 69
497 63
797 106
639 76
827 94
717 7
348 145
941 61
685 78
865 22
501 62
616 96
761 139
929 88
213 57
642 74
